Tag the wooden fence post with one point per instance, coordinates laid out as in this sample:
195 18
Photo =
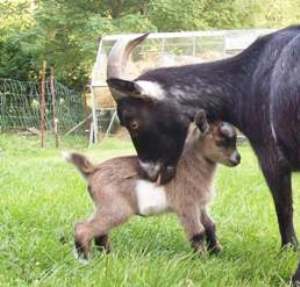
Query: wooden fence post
54 116
42 104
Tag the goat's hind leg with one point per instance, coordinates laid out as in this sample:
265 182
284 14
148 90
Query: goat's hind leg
97 228
82 238
278 176
213 244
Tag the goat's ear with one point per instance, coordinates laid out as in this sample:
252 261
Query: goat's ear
227 130
201 121
146 90
123 87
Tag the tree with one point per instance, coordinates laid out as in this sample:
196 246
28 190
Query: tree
177 15
66 33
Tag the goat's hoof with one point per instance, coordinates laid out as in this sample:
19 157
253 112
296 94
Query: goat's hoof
296 277
80 257
103 244
104 249
215 249
290 246
295 282
201 249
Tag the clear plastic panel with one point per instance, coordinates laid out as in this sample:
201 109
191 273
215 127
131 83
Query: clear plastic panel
171 49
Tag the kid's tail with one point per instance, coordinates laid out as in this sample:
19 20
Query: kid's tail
84 166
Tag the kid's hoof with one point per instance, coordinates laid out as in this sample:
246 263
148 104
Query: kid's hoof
80 257
216 249
198 243
201 250
102 243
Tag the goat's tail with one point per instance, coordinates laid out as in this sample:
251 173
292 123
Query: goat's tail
84 166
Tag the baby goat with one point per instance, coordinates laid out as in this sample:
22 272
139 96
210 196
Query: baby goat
119 192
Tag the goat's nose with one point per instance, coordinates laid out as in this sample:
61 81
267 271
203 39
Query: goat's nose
150 169
235 158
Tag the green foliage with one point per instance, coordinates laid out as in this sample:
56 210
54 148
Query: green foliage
14 58
65 33
16 18
277 13
169 15
15 15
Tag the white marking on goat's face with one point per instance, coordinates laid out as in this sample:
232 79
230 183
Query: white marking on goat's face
152 169
151 199
150 89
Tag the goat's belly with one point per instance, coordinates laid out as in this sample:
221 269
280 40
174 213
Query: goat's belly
151 199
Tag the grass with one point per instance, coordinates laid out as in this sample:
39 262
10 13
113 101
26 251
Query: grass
42 197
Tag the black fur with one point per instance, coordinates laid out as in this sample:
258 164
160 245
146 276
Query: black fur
160 136
213 246
295 279
102 243
258 91
80 250
197 242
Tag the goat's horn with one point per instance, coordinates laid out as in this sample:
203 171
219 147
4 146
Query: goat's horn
118 57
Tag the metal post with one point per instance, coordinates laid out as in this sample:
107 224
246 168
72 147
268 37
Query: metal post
42 104
111 122
54 116
94 112
95 120
194 46
91 134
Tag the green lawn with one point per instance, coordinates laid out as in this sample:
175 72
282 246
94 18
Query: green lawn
42 197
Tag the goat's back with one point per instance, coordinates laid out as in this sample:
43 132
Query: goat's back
114 178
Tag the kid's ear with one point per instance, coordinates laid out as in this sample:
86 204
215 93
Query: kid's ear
201 121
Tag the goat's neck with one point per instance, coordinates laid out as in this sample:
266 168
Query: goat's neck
219 94
219 87
194 159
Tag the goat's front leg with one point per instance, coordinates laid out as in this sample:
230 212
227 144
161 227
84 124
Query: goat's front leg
190 219
213 244
296 277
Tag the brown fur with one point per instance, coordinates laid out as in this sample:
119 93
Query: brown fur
112 188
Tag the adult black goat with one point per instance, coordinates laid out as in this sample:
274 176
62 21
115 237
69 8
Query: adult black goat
258 91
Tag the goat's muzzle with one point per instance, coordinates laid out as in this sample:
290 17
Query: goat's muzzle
157 172
235 159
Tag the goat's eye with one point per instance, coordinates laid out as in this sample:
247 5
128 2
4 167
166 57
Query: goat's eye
226 142
134 125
